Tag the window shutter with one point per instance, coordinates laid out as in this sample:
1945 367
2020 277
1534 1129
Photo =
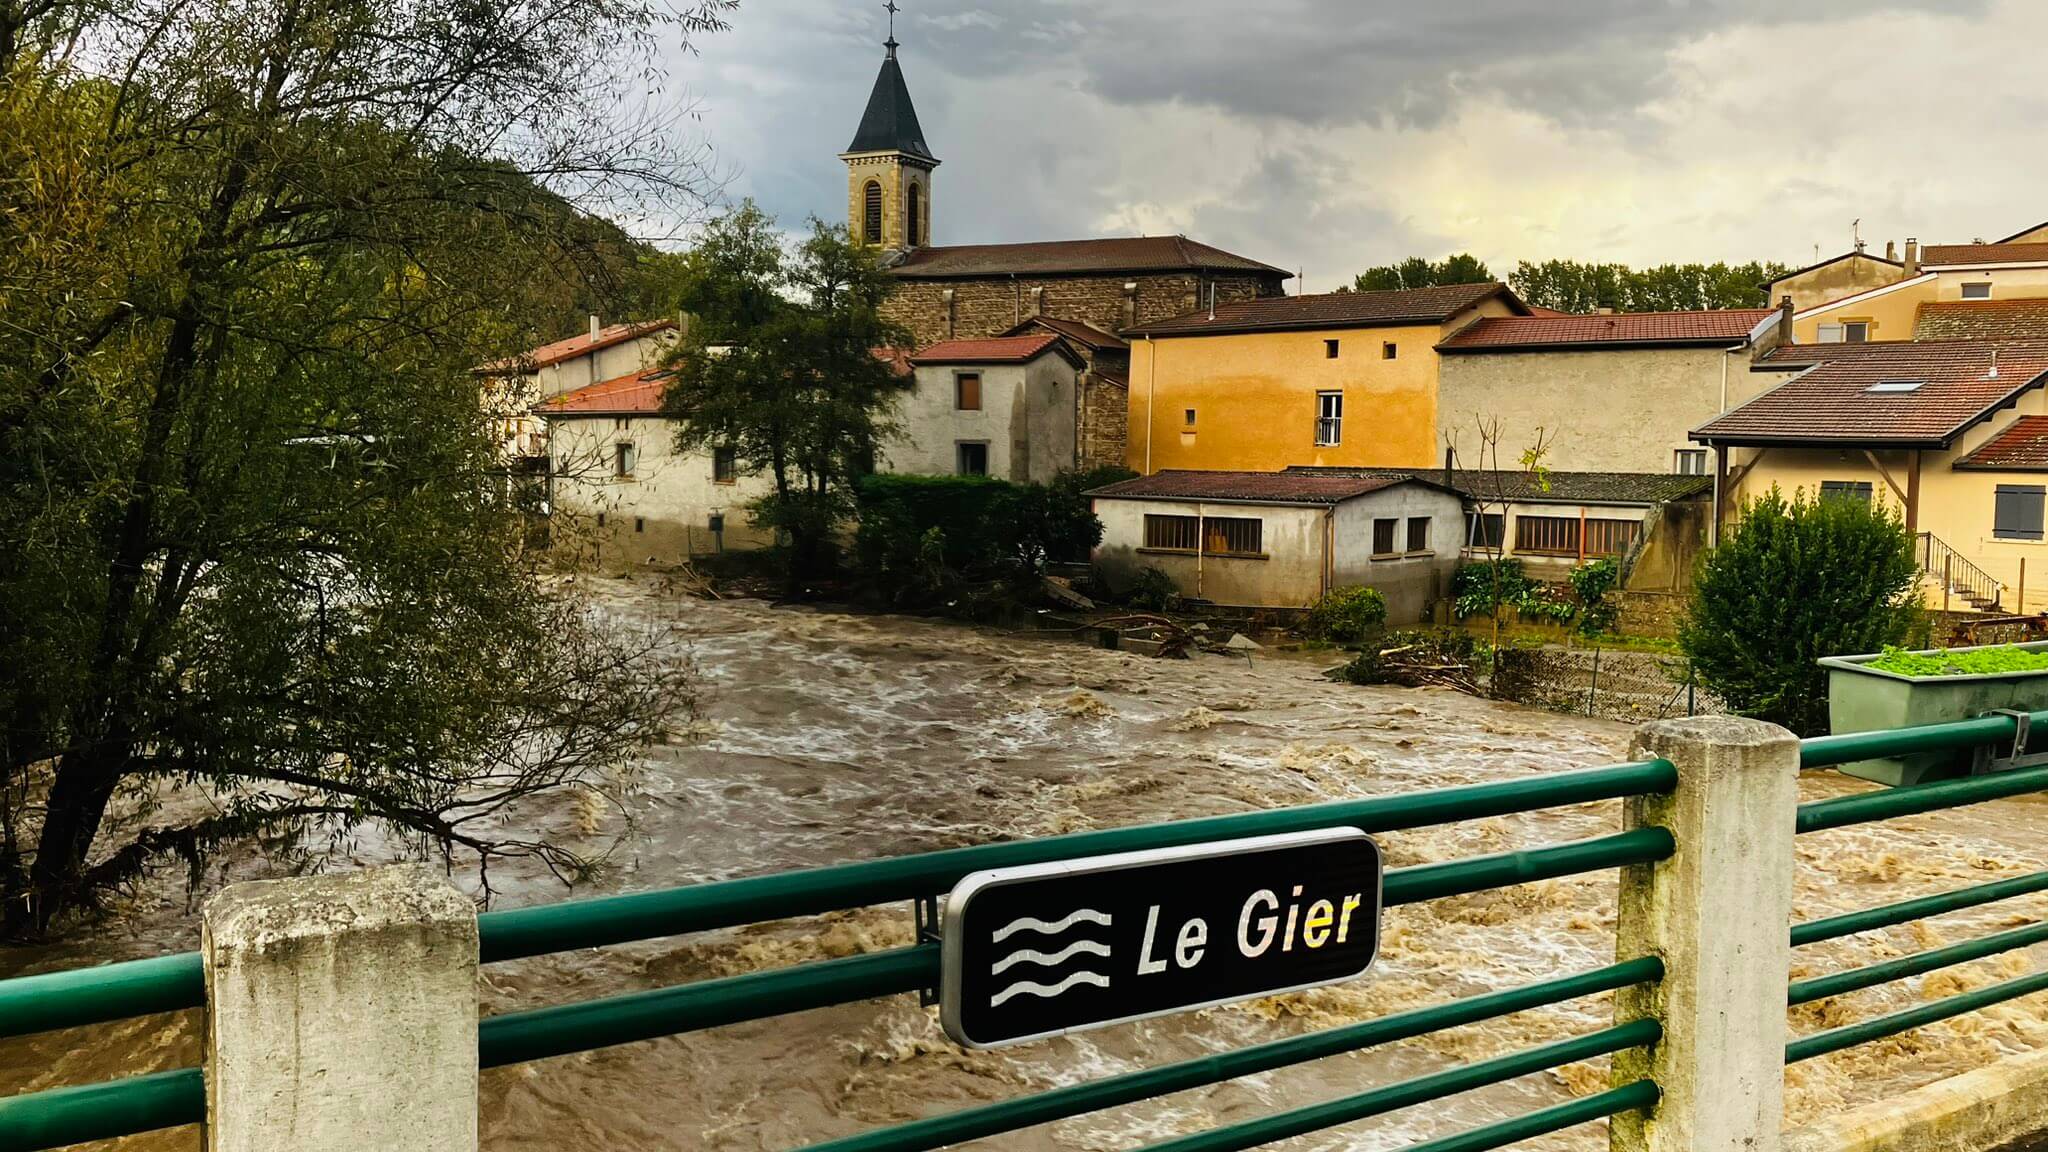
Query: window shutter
1831 334
2017 513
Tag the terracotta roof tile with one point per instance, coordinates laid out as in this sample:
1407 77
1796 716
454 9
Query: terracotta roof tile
1621 329
2016 319
635 394
1832 402
1332 310
990 350
1984 254
1069 257
1084 334
1549 487
2022 445
1249 487
579 345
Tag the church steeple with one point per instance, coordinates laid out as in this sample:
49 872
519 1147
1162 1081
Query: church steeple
888 165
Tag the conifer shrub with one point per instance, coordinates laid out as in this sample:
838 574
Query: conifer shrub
1797 579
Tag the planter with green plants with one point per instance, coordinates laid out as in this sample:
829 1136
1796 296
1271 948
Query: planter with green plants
1898 688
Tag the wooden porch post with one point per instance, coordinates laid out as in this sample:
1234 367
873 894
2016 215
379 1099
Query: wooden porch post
1913 492
1720 494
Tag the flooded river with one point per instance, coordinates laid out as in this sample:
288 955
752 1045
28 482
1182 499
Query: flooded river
827 737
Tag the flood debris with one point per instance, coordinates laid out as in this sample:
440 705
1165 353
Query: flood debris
1415 660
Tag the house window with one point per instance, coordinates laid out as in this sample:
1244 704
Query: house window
871 213
622 422
623 459
1418 533
972 456
967 391
1980 291
639 524
1389 350
1329 419
1855 331
1485 529
1188 418
725 467
2017 515
1845 490
1689 461
1383 533
600 519
913 215
716 523
1329 349
1232 535
1561 535
1173 533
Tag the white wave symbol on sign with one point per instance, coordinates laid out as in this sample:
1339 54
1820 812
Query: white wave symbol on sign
1049 959
1033 924
1033 988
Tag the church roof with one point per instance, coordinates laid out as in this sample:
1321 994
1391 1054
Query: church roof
1114 254
1335 310
890 123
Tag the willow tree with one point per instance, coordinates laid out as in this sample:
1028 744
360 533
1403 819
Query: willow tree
253 552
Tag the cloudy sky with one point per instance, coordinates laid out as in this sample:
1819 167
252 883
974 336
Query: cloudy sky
1331 135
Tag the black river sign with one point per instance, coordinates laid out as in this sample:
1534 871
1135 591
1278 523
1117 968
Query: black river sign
1047 949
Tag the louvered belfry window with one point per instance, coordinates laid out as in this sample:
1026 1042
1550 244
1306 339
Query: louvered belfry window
871 213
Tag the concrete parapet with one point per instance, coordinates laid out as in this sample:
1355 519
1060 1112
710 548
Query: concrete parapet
1718 914
342 1014
2003 1105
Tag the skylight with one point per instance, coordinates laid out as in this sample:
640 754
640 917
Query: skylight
1896 386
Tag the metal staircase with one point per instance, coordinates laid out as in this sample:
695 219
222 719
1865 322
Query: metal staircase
1956 576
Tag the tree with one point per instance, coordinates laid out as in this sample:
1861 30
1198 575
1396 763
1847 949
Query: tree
251 551
1574 286
787 364
1418 272
1798 579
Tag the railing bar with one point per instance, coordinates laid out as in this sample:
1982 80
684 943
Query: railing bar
515 933
57 1117
1420 1090
1826 751
1919 963
1841 811
1919 908
1629 1097
559 1029
76 996
1879 1027
1096 1095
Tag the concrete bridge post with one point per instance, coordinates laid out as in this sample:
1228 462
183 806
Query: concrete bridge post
1718 913
342 1014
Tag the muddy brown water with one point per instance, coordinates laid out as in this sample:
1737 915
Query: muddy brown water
828 737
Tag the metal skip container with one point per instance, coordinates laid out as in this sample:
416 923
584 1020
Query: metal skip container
1863 699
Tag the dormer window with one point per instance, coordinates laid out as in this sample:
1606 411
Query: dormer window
1896 386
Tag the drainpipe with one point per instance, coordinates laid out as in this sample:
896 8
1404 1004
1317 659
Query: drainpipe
1201 545
1330 545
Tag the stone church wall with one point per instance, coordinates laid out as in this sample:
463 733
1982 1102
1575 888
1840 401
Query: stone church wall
991 306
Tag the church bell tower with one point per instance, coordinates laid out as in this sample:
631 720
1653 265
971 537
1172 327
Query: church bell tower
888 167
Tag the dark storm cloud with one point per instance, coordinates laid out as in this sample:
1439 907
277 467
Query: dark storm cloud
1342 61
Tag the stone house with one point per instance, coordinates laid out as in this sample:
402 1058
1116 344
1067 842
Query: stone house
1282 540
619 491
1102 426
1604 393
1006 407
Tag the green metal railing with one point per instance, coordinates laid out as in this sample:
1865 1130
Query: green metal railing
116 991
1866 807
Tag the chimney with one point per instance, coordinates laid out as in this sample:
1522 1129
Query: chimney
1912 256
1603 310
1891 250
1785 319
1130 309
1450 467
1037 302
595 327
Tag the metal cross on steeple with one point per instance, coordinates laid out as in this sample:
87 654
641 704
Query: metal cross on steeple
890 43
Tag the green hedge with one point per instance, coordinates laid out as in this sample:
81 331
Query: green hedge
922 536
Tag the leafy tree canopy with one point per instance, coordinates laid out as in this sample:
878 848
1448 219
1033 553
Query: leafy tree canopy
788 365
254 550
1577 286
1420 272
